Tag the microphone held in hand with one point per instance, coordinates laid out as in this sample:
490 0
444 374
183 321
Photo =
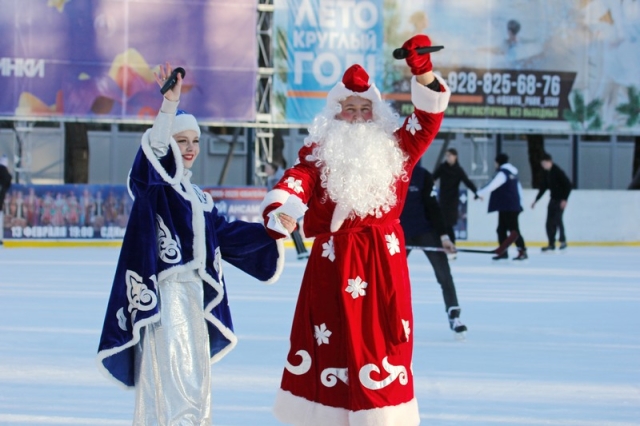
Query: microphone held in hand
172 80
402 53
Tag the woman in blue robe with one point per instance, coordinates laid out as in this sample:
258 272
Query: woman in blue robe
168 317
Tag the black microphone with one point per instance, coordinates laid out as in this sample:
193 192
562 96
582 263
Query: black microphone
172 80
402 53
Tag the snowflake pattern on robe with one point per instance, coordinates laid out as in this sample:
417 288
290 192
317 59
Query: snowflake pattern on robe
328 250
295 184
322 334
356 287
393 243
407 328
413 125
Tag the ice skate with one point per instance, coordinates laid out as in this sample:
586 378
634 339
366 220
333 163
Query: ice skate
503 255
563 245
458 328
522 255
549 249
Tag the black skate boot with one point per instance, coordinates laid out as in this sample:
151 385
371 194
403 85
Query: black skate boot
503 255
522 255
548 249
454 322
563 245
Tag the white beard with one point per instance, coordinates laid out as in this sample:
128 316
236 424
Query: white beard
359 166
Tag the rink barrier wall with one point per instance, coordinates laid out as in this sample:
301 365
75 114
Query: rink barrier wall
592 218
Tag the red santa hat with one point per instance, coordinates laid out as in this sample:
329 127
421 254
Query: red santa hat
355 82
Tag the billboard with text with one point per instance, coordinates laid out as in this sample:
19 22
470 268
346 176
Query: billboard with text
548 66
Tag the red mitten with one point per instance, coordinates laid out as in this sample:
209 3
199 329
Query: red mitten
419 64
265 217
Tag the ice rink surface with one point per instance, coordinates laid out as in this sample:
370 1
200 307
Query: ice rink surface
552 341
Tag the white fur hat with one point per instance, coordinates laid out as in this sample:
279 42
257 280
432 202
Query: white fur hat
355 82
183 121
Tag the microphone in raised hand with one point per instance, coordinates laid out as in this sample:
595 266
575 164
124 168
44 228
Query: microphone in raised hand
172 79
402 53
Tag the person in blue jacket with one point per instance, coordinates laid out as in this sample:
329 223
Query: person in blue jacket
168 316
506 199
423 225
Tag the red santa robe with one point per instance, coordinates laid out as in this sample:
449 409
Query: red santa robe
351 340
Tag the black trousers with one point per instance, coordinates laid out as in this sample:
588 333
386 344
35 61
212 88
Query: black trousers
450 216
554 222
440 264
508 222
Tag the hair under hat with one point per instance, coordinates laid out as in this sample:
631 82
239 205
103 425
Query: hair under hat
184 121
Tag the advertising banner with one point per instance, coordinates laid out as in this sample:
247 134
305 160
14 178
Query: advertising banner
59 212
238 203
544 66
87 60
318 40
99 212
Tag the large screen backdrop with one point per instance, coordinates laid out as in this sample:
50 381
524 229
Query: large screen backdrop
549 65
90 60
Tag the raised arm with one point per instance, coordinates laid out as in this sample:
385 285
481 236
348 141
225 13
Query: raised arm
430 97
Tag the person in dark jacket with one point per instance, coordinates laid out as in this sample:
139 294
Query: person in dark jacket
5 183
451 174
506 199
559 186
424 226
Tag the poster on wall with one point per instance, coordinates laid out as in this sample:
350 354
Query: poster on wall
547 66
60 212
100 212
87 60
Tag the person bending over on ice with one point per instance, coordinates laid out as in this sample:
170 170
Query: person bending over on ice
168 317
352 336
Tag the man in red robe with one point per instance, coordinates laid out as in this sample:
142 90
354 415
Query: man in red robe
351 339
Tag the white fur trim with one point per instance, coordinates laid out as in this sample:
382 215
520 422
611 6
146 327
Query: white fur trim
406 414
279 265
134 341
291 409
175 149
426 99
340 214
294 410
339 92
274 196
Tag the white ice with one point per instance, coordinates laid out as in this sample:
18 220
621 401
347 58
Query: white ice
553 341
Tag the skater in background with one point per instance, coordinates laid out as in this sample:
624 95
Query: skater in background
168 316
451 174
274 174
5 184
424 225
506 198
559 186
353 317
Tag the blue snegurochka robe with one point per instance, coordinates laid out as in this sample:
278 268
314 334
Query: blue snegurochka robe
175 227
